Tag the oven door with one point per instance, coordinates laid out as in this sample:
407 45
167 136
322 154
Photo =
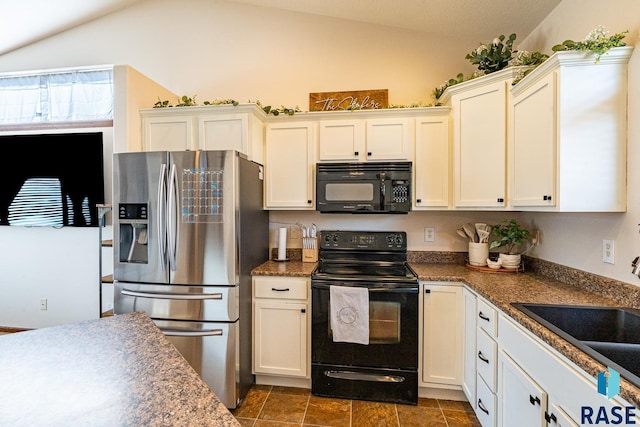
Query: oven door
393 328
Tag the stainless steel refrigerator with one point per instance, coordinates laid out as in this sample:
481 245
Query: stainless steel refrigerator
188 229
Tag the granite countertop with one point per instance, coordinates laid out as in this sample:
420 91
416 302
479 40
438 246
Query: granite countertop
501 289
115 371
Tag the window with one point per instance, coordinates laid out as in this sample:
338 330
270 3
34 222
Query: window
62 96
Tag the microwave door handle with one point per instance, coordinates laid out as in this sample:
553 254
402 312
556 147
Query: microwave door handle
382 176
162 213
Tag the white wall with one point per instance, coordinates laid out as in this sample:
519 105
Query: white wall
67 276
576 239
213 49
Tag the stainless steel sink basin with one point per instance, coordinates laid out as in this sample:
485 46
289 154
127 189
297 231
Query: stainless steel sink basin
610 335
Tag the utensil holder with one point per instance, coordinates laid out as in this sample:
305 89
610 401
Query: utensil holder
478 253
310 254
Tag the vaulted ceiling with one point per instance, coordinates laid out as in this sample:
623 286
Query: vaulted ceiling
26 21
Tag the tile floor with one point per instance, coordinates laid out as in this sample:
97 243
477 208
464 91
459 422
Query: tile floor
267 406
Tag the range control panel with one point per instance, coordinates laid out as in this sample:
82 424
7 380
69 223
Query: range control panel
364 240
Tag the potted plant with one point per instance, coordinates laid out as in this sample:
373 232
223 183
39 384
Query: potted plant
598 42
493 56
512 236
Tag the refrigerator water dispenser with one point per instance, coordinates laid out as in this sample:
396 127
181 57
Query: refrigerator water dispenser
134 239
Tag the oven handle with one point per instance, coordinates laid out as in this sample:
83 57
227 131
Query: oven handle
359 376
387 288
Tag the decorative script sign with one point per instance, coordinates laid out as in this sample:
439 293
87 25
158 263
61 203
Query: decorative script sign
351 100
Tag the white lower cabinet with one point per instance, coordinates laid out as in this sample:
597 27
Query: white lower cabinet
513 378
523 403
539 387
469 346
442 333
486 404
281 326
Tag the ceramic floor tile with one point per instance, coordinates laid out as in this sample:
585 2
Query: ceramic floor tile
373 414
460 418
455 405
246 422
427 402
420 416
326 411
267 406
252 403
291 390
284 407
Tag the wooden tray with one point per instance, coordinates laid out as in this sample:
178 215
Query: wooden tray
486 269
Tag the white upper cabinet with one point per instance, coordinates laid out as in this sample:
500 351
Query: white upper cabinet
569 138
432 169
167 132
389 139
290 149
342 140
219 127
366 138
479 129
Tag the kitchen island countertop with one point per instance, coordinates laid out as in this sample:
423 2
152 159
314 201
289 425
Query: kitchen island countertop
115 371
502 289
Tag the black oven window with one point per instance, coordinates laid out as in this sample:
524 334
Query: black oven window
384 322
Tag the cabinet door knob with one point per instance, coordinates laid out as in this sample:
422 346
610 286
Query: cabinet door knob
357 153
546 197
368 153
418 200
303 310
534 400
500 200
309 201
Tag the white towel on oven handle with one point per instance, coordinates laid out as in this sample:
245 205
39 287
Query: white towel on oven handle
349 314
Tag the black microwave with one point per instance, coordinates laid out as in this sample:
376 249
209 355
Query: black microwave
371 187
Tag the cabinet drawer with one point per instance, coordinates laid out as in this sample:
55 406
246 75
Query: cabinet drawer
487 359
485 405
280 288
487 318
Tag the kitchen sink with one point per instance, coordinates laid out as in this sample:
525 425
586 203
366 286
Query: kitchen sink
611 335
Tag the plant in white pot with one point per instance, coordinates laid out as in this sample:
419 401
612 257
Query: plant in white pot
512 236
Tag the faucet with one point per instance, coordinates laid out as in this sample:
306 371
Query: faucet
636 266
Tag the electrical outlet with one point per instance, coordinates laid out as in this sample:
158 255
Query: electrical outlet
536 237
43 303
429 234
608 251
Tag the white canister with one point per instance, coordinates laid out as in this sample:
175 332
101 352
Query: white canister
478 254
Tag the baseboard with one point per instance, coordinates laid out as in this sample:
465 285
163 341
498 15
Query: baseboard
442 394
283 381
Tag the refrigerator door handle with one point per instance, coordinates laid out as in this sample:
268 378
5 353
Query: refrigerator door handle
173 217
184 333
162 214
164 295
